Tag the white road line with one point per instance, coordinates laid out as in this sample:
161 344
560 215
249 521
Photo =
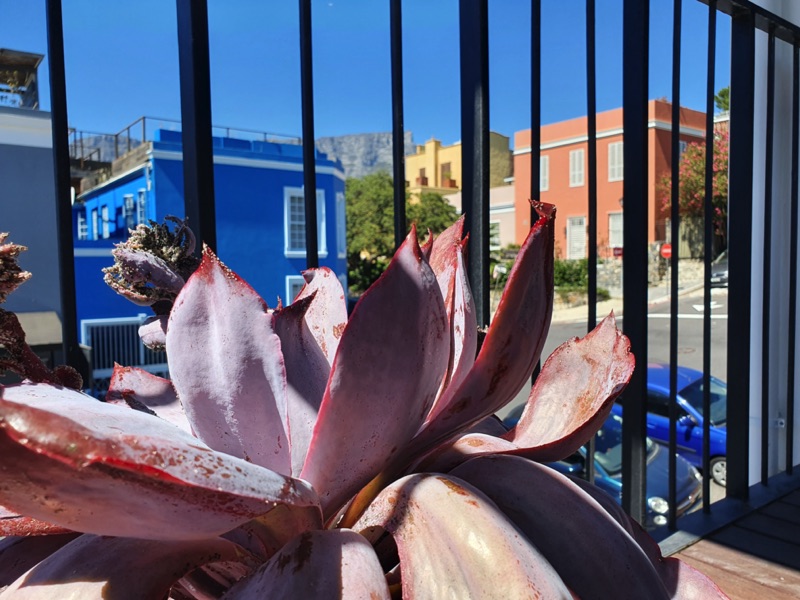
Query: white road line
683 316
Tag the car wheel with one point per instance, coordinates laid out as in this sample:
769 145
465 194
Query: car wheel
719 470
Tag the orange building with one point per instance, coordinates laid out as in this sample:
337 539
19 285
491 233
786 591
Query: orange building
564 182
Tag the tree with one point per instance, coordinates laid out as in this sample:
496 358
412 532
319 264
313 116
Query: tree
691 189
370 224
722 99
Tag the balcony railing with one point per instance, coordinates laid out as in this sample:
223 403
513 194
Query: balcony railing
763 208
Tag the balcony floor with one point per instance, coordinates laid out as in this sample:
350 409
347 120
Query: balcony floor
757 556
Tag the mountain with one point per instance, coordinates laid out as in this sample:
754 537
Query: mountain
363 153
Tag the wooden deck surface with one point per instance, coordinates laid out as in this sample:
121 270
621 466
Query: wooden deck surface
758 556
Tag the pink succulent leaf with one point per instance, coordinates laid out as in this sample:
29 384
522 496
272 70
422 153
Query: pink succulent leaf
99 468
447 457
148 393
513 343
680 579
453 542
153 332
14 524
309 330
427 246
567 526
337 563
389 365
491 425
573 394
443 252
226 364
463 322
265 535
326 317
19 554
119 568
144 267
684 582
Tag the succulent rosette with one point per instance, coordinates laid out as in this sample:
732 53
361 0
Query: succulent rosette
299 453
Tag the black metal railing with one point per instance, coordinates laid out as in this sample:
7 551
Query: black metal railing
751 26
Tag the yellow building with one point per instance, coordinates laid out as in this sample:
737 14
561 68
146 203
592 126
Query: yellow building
436 168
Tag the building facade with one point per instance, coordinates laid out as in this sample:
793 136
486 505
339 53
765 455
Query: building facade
436 168
563 176
260 223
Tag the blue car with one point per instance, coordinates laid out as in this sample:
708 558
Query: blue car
689 427
608 470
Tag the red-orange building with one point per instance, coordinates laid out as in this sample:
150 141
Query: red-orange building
564 181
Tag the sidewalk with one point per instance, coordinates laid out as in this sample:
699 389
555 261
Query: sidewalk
656 294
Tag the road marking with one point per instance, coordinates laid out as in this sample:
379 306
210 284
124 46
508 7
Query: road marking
684 316
712 306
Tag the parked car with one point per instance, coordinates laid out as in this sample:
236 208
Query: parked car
689 426
608 470
719 271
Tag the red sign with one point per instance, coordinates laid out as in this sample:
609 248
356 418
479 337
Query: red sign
617 252
666 251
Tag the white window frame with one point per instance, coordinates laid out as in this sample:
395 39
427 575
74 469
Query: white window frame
106 226
544 173
492 225
612 242
95 224
295 282
83 227
141 207
616 168
576 168
570 254
290 194
341 225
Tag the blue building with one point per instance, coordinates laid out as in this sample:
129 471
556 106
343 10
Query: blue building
260 226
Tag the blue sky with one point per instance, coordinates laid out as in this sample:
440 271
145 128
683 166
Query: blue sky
122 63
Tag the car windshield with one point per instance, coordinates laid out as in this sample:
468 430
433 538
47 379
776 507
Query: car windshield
693 394
608 446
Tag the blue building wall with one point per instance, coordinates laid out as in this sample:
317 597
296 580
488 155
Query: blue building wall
251 180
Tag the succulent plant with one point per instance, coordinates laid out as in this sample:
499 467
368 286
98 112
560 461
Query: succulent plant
296 453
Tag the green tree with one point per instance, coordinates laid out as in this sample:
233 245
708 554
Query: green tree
691 187
370 225
722 99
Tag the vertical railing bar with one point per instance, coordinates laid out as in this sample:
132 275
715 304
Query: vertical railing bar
198 155
536 123
474 42
73 355
740 214
636 26
591 112
675 224
765 320
708 242
398 133
793 260
309 150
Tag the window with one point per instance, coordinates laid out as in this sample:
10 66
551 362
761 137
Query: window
544 173
294 283
615 230
682 147
494 235
576 168
106 231
141 207
341 225
83 227
295 223
576 237
95 224
615 161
